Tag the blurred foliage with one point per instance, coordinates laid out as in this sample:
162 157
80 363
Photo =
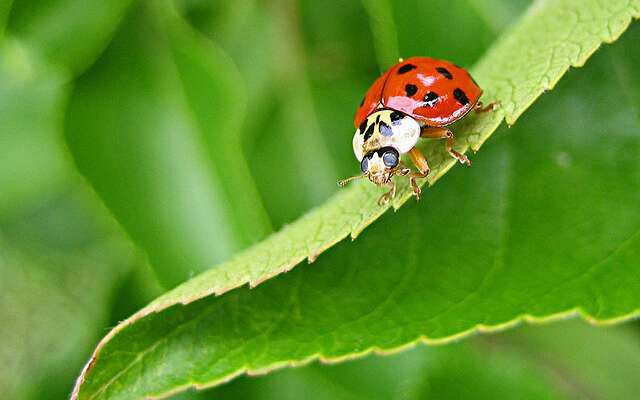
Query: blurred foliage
162 147
59 270
62 258
68 34
195 123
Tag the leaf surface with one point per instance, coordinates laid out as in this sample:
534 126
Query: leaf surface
482 251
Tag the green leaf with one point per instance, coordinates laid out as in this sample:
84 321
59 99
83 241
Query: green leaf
564 360
460 371
496 14
166 157
67 33
492 246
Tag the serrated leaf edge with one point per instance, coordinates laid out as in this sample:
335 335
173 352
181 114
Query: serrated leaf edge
576 312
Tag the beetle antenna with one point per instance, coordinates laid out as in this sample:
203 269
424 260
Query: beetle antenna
343 182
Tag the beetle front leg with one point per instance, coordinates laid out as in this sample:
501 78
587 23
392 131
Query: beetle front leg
387 197
420 162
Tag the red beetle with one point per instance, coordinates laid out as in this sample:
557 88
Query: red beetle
415 98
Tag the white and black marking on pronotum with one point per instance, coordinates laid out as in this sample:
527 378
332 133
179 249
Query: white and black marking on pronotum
396 116
369 132
410 89
385 129
406 68
363 126
444 72
461 96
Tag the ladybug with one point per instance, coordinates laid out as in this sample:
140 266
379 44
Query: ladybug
415 98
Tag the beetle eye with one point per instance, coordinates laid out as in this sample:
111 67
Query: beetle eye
364 164
390 159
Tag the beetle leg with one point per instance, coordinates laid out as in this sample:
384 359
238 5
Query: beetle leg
423 170
481 108
385 198
402 170
442 133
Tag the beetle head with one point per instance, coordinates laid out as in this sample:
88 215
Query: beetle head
379 166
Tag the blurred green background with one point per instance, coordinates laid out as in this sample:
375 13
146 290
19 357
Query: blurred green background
144 141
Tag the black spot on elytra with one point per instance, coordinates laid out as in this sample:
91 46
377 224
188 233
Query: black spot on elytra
406 68
410 89
363 126
444 72
385 129
368 133
395 117
460 95
430 99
